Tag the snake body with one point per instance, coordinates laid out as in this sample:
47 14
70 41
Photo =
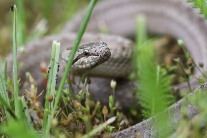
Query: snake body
172 17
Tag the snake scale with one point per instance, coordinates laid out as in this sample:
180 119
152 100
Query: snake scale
171 17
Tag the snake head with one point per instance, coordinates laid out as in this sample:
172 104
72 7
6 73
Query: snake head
88 56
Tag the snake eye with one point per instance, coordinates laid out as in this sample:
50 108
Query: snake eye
86 52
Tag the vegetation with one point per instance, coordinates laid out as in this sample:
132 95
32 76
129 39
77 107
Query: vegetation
67 115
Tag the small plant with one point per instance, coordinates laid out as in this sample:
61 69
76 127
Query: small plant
201 4
155 85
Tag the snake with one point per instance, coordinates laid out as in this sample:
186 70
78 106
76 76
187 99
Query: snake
88 56
175 18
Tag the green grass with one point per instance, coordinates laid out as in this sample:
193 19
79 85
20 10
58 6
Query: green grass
50 107
15 71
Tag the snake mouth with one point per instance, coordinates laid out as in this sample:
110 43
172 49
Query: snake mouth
83 55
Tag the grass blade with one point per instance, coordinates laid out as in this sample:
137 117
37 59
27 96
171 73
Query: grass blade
51 87
75 47
15 73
